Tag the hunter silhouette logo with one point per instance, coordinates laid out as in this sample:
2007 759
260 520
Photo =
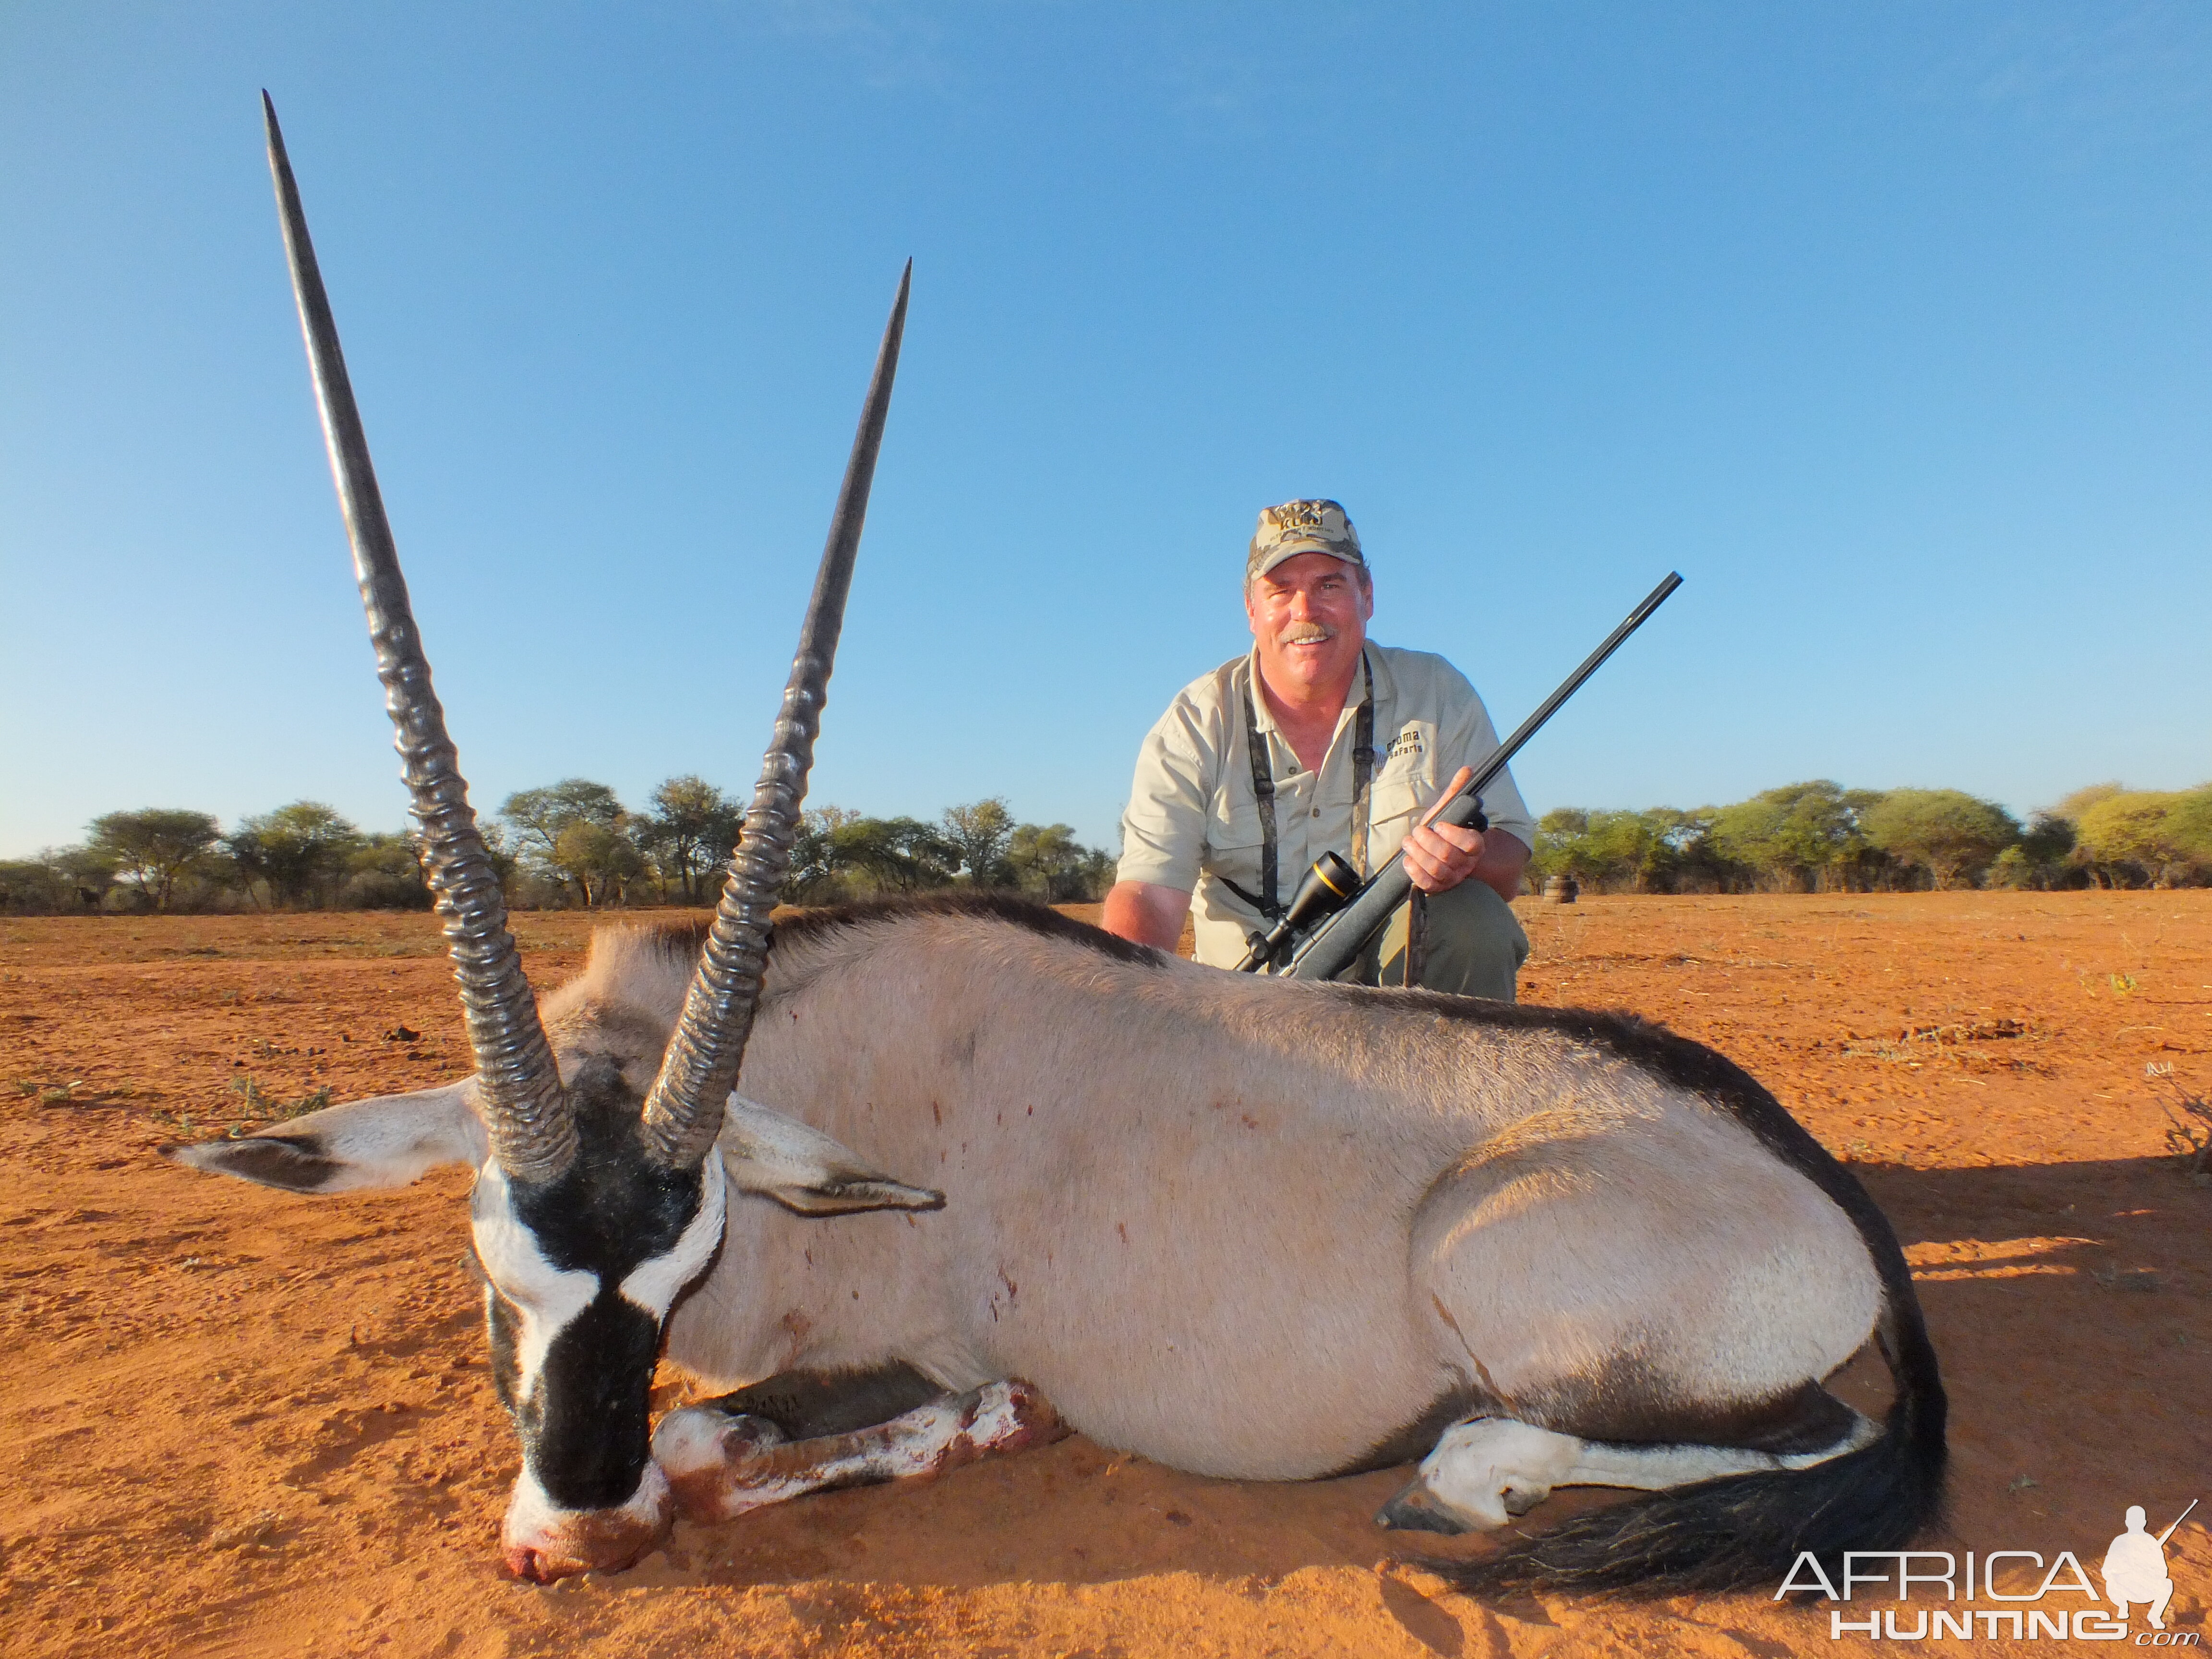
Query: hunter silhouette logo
2135 1567
2134 1572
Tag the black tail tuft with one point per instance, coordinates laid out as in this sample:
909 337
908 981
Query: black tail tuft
1747 1531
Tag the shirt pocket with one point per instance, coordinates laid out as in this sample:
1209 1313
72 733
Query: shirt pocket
1233 845
1402 788
1232 831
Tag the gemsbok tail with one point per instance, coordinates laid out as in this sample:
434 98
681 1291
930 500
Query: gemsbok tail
1747 1531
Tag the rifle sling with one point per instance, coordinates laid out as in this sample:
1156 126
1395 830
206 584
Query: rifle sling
1269 902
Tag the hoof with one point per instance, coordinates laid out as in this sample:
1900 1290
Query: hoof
1415 1510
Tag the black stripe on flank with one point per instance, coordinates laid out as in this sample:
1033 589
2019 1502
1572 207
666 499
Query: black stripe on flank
1417 1440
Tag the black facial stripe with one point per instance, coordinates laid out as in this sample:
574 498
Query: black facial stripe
585 1427
500 1322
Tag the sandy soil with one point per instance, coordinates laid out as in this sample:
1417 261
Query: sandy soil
234 1422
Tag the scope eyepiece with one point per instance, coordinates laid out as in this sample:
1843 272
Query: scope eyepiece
1327 889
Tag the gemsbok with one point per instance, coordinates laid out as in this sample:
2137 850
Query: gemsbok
1014 1173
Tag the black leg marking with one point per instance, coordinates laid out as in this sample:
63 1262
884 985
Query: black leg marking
1628 1403
808 1405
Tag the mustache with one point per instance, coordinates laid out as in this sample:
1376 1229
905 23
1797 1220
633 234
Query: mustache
1305 633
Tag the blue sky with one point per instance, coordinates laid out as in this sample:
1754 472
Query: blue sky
1888 325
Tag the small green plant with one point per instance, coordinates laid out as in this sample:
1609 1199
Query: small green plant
2122 984
2188 1122
261 1106
313 1101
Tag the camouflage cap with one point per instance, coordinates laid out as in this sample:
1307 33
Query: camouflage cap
1297 527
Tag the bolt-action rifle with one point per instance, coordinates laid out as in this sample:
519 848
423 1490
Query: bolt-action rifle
2177 1520
1354 917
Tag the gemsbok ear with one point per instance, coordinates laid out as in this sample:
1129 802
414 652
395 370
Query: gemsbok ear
804 1170
361 1146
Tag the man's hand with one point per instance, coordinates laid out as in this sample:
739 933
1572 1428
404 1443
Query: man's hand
1146 913
1440 856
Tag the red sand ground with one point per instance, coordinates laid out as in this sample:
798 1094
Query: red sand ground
243 1423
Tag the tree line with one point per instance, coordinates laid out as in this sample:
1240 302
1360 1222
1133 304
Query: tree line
1820 837
574 843
570 843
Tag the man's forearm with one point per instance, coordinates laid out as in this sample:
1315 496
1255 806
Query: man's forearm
1505 858
1146 914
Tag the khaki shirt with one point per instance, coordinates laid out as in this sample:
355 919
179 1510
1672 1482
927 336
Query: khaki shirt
1193 819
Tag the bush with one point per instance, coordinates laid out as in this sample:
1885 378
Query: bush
298 853
154 848
1949 833
1793 837
385 872
2138 838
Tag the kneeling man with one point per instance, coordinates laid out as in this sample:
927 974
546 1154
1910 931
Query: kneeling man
1317 741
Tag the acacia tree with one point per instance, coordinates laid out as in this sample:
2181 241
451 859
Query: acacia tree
55 879
2141 835
151 847
2039 859
814 853
2190 825
540 818
598 860
1047 860
693 828
977 834
1790 835
385 871
1951 834
299 851
895 855
1603 848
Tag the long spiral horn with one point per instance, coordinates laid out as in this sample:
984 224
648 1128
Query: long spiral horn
684 1112
526 1113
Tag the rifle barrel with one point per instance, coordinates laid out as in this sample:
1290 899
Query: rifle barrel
1337 942
2177 1520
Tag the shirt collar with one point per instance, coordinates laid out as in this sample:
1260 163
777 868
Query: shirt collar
1265 715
